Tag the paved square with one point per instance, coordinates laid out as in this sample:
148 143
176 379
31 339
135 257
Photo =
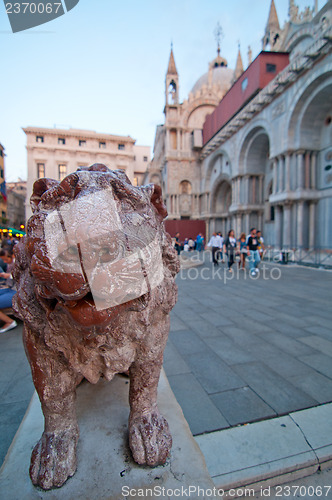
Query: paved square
243 349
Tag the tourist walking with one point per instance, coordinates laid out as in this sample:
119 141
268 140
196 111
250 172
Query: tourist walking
230 249
253 253
214 243
261 247
221 244
243 251
199 242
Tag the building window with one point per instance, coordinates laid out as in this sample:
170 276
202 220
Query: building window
102 145
135 181
62 141
244 84
145 158
62 171
39 138
82 143
121 146
173 139
271 68
1 153
40 170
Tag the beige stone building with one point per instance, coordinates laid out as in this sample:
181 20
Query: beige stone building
56 153
16 198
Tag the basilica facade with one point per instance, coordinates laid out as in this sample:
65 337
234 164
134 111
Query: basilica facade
254 147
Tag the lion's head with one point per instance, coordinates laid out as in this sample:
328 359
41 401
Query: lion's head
96 244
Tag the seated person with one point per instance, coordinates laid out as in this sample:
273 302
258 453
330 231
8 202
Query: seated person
7 292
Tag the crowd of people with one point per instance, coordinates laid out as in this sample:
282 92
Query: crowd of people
247 247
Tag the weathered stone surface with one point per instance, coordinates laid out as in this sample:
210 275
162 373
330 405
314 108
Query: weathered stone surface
106 469
95 287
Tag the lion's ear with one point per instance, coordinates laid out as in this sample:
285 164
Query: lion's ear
39 188
157 200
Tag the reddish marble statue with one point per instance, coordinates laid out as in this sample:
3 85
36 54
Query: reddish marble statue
95 279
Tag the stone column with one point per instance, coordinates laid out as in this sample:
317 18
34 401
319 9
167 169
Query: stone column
312 225
275 176
300 169
307 170
287 172
238 225
178 139
277 225
177 197
313 170
246 189
300 221
286 230
233 181
260 189
212 226
260 221
281 174
167 140
247 221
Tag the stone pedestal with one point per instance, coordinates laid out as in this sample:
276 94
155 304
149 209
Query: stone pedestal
106 470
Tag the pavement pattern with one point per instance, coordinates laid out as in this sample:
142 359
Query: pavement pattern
245 349
240 350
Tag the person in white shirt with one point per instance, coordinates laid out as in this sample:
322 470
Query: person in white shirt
214 243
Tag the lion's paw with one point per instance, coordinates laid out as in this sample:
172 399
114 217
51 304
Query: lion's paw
53 459
149 439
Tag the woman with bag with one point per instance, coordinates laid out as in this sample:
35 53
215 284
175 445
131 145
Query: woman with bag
230 249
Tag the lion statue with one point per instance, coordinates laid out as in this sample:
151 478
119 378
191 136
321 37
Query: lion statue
96 282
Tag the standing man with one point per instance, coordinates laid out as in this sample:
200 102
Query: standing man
261 246
221 244
253 253
214 243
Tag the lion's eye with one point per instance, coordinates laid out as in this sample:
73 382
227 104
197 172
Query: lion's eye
72 250
71 254
105 251
111 252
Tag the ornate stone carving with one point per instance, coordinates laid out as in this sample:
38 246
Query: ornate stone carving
95 287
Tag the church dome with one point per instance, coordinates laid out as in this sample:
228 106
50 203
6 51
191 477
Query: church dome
219 75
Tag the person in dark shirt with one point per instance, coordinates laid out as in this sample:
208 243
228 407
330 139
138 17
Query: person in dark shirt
253 253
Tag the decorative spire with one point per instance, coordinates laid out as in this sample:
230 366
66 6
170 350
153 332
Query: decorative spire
239 65
273 21
272 29
171 64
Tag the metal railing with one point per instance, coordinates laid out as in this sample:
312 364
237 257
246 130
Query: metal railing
314 257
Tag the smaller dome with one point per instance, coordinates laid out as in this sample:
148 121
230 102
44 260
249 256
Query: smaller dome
222 77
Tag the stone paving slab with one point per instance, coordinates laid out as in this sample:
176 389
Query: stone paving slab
283 448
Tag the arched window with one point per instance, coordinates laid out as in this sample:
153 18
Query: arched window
172 92
185 187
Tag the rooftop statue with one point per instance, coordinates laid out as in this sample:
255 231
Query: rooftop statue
95 287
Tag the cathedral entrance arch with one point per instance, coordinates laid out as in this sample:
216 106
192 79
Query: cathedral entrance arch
221 200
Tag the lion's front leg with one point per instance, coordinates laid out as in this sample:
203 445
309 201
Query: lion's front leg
149 436
53 459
